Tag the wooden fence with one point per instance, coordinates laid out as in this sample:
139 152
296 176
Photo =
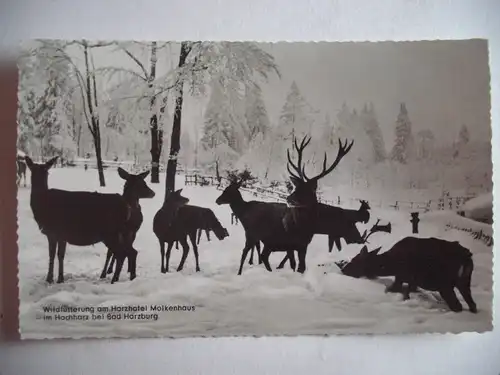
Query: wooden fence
442 203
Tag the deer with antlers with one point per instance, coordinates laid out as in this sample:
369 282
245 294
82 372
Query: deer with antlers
283 227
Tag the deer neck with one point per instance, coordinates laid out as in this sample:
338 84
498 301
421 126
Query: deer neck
37 189
238 205
131 200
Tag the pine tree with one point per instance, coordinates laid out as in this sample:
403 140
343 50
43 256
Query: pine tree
257 120
294 118
425 144
372 128
402 151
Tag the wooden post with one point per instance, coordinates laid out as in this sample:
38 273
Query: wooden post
414 221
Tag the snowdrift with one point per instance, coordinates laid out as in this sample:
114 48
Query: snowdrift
479 208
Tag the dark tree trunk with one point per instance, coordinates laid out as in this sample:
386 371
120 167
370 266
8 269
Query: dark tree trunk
97 145
94 126
176 126
156 136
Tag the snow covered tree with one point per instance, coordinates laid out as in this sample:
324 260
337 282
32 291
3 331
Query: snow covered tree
372 128
220 122
425 144
403 148
199 62
45 94
294 119
257 120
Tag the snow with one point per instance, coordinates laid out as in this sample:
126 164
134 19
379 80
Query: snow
257 302
479 208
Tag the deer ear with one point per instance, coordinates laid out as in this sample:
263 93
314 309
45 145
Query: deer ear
178 192
364 251
29 162
143 175
123 173
51 162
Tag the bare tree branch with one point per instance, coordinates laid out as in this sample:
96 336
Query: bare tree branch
137 61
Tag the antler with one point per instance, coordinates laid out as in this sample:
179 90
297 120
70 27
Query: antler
300 149
376 228
372 230
343 150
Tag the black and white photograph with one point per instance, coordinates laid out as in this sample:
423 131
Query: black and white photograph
199 188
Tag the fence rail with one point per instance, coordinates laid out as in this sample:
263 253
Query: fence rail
442 203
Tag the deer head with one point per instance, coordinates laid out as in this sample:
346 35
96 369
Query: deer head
304 194
176 198
363 264
40 173
230 193
135 187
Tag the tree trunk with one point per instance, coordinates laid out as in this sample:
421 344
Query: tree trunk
153 123
97 145
94 126
176 126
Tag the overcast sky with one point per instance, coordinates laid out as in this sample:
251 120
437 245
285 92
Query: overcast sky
444 83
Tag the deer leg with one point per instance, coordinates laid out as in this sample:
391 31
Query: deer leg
162 252
302 260
111 264
330 243
283 262
107 269
192 236
265 258
338 244
199 236
132 262
208 234
169 248
61 252
451 299
119 265
250 261
257 246
185 251
291 256
244 253
463 286
52 255
176 245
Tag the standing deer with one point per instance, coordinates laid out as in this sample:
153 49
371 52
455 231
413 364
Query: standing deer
131 194
83 219
282 227
176 221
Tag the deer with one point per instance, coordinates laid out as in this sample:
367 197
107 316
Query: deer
282 227
82 218
21 171
178 221
132 183
430 263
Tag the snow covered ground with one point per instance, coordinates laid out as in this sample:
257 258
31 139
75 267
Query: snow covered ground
322 301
